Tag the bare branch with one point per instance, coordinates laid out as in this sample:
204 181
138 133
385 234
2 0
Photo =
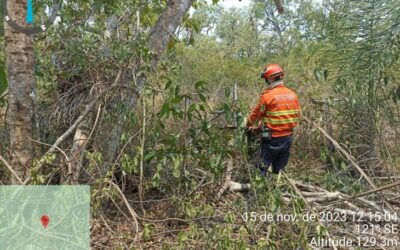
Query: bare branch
71 129
11 169
131 211
4 94
378 189
349 158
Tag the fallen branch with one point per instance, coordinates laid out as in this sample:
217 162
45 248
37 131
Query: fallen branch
112 231
226 179
229 184
8 166
239 187
5 93
307 204
59 149
351 159
378 189
130 209
326 197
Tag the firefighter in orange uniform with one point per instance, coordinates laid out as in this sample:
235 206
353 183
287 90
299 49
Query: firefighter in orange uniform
277 113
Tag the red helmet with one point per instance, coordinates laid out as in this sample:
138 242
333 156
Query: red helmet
272 71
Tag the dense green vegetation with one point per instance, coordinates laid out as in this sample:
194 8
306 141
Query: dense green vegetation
165 148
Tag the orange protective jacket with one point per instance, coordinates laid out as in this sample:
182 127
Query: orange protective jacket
278 109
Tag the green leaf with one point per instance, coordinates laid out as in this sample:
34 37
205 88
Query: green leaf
3 80
165 109
168 84
201 106
176 100
147 231
177 90
226 108
386 80
150 155
230 217
227 92
191 40
326 74
200 85
320 74
177 163
172 43
191 108
202 97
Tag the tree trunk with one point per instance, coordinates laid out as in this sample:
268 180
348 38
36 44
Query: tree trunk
279 6
110 134
81 139
21 81
159 37
83 130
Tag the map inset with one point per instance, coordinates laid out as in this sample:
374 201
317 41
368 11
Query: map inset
44 217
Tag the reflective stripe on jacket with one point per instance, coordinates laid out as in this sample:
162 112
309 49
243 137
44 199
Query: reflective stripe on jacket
278 109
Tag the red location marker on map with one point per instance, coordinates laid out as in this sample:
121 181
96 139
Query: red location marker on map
45 220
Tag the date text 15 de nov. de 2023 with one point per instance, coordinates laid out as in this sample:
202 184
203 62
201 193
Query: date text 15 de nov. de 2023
329 216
